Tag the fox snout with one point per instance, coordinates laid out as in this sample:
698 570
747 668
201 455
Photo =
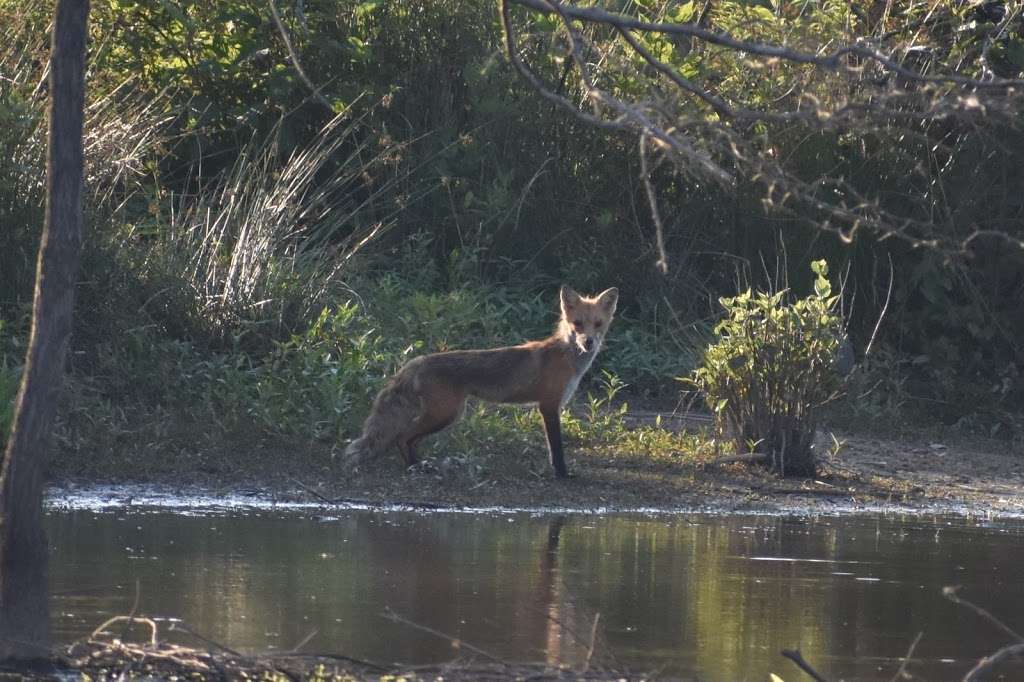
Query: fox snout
585 343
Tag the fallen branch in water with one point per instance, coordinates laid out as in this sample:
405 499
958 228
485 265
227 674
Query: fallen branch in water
901 672
795 656
984 666
105 655
950 593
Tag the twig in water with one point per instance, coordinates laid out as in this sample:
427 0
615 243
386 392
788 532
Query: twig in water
181 627
305 640
950 593
795 656
117 619
901 672
593 640
132 613
311 491
455 641
984 666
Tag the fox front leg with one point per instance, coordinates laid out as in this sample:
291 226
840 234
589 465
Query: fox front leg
553 430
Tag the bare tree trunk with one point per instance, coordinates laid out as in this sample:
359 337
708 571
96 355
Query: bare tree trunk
24 607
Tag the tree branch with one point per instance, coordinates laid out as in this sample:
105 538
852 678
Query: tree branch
294 57
738 139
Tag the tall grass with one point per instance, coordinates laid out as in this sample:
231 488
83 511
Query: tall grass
22 145
269 241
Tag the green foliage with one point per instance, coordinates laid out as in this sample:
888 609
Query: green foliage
221 293
10 380
602 415
771 370
310 383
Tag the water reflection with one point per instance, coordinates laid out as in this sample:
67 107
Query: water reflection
719 596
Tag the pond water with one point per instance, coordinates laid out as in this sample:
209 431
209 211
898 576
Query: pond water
686 595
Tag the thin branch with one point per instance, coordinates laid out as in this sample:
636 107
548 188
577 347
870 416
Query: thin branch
593 642
512 52
795 656
131 614
303 642
629 117
984 666
901 672
885 307
652 199
293 55
950 593
832 61
181 627
455 641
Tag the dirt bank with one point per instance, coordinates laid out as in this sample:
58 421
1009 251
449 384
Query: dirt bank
866 473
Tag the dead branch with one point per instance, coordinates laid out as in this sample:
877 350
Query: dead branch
629 117
454 641
714 140
652 199
593 641
795 656
103 656
294 57
981 670
96 635
950 593
885 307
832 61
181 627
901 672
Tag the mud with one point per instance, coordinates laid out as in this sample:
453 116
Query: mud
868 475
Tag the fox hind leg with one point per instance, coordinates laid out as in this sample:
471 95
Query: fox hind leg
439 416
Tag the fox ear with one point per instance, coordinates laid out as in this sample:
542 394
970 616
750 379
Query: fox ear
569 298
608 299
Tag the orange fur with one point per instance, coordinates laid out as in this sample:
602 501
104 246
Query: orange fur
429 393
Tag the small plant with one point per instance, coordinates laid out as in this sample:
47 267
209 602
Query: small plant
603 418
771 369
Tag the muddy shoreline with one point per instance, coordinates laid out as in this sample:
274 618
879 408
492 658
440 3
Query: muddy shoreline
868 475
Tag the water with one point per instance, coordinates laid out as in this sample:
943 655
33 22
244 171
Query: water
714 596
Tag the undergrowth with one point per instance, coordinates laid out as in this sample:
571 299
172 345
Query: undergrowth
253 271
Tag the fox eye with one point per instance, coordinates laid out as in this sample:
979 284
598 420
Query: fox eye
577 324
597 325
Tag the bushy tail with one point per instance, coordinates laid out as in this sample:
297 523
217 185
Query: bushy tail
394 409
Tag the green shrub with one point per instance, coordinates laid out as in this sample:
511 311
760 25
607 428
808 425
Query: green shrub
771 369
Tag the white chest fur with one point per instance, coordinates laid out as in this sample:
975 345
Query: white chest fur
582 363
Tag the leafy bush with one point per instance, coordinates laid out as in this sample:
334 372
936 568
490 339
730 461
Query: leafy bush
311 382
771 369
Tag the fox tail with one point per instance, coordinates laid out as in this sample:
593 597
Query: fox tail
394 408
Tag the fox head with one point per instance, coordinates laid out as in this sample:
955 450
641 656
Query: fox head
585 320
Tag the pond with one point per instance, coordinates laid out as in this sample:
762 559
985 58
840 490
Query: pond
711 595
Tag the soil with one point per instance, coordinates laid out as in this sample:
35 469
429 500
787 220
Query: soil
907 474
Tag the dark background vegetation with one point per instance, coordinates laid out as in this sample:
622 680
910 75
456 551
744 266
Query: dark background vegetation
249 274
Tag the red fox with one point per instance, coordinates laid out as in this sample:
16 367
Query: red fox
429 393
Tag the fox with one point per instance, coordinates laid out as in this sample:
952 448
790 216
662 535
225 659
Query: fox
429 393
